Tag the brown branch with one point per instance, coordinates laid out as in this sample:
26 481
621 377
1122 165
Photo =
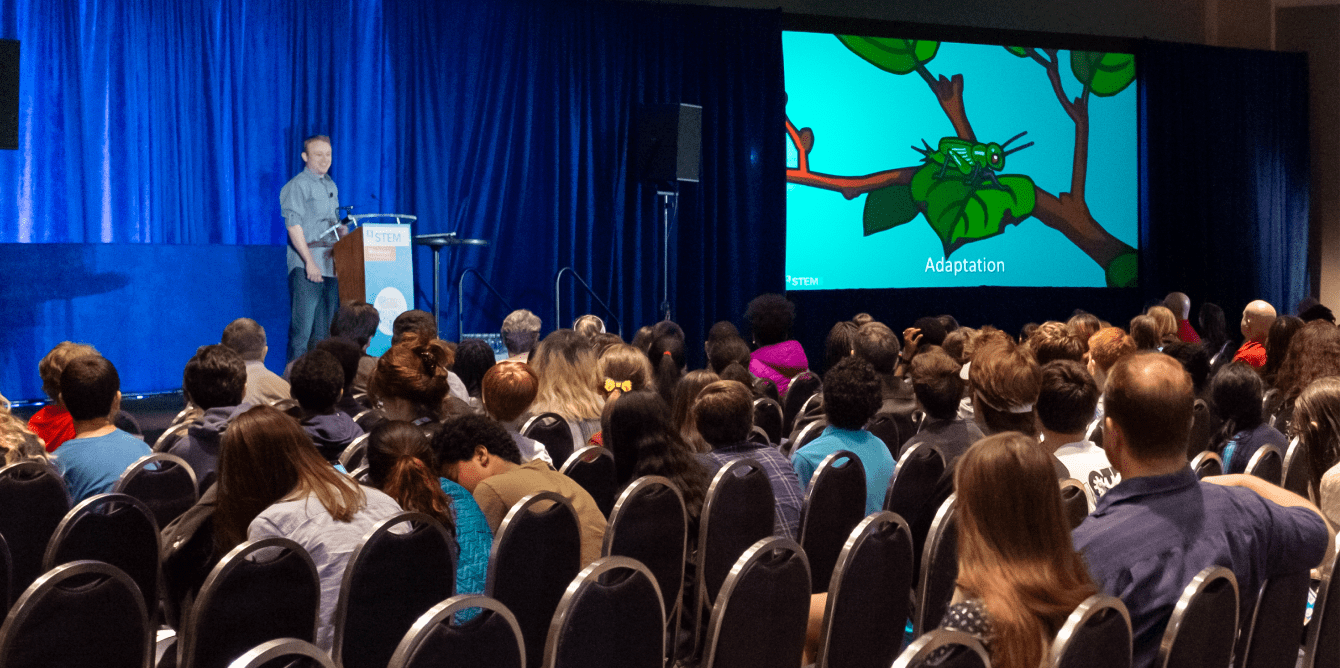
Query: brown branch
802 151
949 93
1079 170
1052 64
1070 216
852 187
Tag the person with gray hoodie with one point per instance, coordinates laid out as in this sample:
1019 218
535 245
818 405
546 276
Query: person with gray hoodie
215 380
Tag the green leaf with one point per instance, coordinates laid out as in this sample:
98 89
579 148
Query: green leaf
899 56
961 212
1106 74
1018 51
888 208
1123 271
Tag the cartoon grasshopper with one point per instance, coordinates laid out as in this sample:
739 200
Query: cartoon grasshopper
970 159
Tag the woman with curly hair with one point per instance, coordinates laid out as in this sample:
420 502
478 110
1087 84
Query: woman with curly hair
17 442
410 380
1314 352
778 357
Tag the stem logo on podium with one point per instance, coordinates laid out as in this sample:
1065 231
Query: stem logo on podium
388 277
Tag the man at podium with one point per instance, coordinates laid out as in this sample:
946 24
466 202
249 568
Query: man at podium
310 202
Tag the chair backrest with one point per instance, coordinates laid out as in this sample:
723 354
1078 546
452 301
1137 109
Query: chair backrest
867 596
954 648
1075 501
798 391
914 476
554 432
33 500
390 580
170 437
1096 635
1207 464
116 529
804 435
299 653
650 524
6 573
1267 464
760 616
757 435
1204 623
610 616
1270 637
81 614
536 553
355 454
769 417
491 639
1297 468
809 411
834 505
261 590
939 569
360 474
892 429
592 467
165 483
1322 645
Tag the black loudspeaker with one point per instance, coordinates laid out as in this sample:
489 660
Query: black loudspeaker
9 93
668 142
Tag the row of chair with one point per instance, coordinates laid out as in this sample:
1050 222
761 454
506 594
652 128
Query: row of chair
1290 470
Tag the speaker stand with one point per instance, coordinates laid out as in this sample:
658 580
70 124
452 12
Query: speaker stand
669 203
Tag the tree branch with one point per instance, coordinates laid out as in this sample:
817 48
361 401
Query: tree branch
852 187
1070 216
1052 64
949 93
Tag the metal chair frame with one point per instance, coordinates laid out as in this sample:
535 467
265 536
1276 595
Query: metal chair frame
754 554
442 613
159 458
928 643
94 504
634 489
768 404
861 535
824 472
280 647
1262 458
1190 594
170 437
1296 469
356 451
28 472
52 579
934 544
1080 619
588 577
898 467
807 434
1202 461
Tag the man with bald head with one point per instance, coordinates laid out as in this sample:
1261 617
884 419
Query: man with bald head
1180 305
1159 527
1256 321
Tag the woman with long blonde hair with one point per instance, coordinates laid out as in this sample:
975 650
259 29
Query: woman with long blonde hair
569 376
1019 575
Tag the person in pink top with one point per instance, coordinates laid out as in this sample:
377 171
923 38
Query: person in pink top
778 357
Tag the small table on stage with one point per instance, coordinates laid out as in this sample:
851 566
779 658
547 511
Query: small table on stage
436 242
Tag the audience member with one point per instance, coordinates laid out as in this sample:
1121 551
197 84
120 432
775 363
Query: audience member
778 357
1145 333
1256 321
668 364
1214 328
1105 348
1318 428
401 463
273 483
1053 341
1066 404
840 343
1084 325
53 423
681 412
956 341
1314 352
602 342
728 352
17 442
1204 424
410 380
875 343
624 369
246 337
1018 574
588 326
1165 324
478 454
357 323
99 453
507 392
317 381
724 415
1236 397
722 330
932 330
644 442
1153 532
350 359
569 375
938 387
1279 336
1180 306
1316 312
1005 381
643 338
474 357
424 325
851 397
215 380
521 332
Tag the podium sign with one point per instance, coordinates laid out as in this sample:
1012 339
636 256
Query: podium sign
388 275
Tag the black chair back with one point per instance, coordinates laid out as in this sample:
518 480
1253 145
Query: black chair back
554 432
611 616
296 653
261 590
912 492
172 436
769 417
1075 501
1270 637
1096 635
650 524
491 639
1204 623
592 467
1207 464
85 614
802 437
867 596
360 474
33 500
759 618
1297 468
948 649
811 410
1267 464
389 582
6 574
1322 644
355 454
536 553
805 385
939 569
165 483
115 529
834 505
892 428
757 435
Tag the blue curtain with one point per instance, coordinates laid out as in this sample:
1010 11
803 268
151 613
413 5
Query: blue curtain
145 122
1226 174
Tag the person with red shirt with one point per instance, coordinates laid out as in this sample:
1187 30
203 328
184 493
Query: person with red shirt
1180 305
1256 321
53 423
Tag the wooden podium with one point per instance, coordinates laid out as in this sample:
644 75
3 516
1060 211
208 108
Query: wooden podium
348 256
